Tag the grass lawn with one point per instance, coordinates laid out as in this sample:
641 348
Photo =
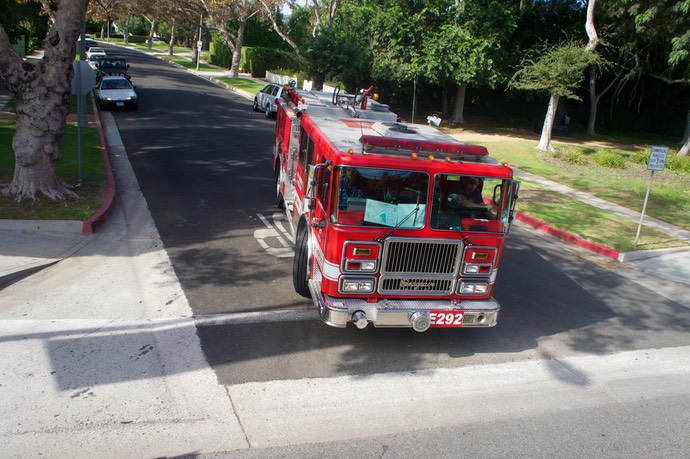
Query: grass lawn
188 64
589 222
91 191
669 199
244 84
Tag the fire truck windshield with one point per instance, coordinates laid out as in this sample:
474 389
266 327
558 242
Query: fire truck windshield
381 197
469 202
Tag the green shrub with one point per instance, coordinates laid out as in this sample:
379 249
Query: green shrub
640 157
607 158
678 163
219 53
261 59
571 156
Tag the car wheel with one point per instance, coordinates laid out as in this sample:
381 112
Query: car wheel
256 105
301 264
268 110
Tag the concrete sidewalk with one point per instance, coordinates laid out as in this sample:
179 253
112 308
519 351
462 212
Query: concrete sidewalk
100 352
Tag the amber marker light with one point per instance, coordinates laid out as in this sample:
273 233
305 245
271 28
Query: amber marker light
505 164
448 159
350 151
431 157
414 155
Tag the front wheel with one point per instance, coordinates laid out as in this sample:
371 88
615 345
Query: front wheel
268 110
256 105
301 264
280 202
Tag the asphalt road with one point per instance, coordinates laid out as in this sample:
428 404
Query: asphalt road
203 161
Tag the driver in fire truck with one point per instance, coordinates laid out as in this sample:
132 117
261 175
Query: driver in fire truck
468 197
351 186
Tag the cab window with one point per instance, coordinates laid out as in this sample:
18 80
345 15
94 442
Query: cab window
367 196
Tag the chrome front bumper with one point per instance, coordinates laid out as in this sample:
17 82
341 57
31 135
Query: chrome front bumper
398 313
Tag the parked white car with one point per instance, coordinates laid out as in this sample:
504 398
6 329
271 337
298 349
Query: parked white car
94 54
265 99
116 92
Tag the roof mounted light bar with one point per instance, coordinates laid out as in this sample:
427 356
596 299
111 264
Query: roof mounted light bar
374 144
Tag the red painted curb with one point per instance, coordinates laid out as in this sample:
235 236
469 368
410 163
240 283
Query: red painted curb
91 224
565 236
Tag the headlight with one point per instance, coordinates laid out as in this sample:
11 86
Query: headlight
357 285
360 265
477 268
473 288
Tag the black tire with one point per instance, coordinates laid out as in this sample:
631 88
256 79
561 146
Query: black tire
280 202
256 105
268 110
301 265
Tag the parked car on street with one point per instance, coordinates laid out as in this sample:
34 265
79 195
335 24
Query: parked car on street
265 99
88 43
108 66
116 92
93 55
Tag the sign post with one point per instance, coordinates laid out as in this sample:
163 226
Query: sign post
84 80
656 162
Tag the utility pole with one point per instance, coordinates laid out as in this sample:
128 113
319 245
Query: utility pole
199 43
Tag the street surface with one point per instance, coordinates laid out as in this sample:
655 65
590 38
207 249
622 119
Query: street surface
577 366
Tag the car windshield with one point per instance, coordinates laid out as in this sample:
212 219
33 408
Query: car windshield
115 84
380 197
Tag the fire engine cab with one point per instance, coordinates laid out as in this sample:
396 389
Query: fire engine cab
395 224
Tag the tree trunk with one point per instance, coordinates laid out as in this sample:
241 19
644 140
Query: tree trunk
125 30
593 101
43 91
173 31
685 149
545 140
458 116
152 30
237 51
445 96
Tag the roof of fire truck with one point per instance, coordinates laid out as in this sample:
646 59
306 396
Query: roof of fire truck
377 130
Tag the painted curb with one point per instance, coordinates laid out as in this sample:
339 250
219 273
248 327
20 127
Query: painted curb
91 224
568 237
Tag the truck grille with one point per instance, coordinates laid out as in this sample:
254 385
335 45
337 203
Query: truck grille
416 285
419 267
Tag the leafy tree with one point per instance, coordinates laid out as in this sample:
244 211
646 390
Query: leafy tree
341 52
658 35
42 89
449 44
224 14
23 19
558 71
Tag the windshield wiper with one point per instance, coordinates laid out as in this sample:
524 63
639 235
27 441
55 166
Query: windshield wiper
399 224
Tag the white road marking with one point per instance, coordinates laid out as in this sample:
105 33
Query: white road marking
270 232
256 317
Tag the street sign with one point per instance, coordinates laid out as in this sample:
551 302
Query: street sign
84 79
657 159
656 162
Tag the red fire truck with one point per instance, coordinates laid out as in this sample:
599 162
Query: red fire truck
395 224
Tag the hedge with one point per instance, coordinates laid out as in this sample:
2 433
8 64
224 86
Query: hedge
254 60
